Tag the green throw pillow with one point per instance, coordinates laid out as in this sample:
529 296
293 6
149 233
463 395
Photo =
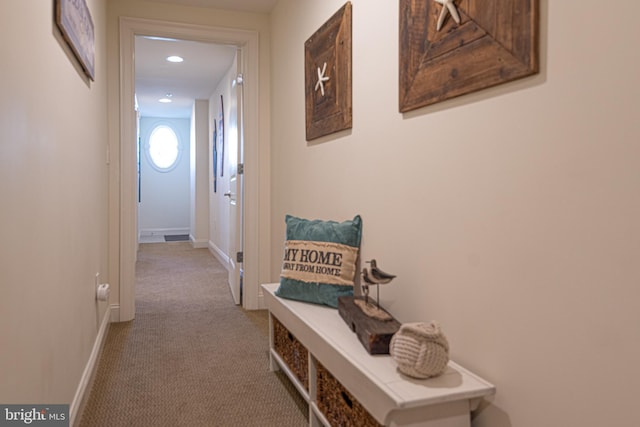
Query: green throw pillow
320 260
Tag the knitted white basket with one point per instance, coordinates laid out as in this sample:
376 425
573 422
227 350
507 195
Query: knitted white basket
420 349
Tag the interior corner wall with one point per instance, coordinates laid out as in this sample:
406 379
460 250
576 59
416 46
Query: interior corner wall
509 215
53 214
199 174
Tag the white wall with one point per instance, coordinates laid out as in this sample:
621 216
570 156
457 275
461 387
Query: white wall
509 215
53 213
165 195
199 174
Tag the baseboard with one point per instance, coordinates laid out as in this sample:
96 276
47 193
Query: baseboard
261 304
198 244
115 313
221 256
82 393
148 232
224 259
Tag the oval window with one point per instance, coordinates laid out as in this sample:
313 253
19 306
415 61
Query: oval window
164 148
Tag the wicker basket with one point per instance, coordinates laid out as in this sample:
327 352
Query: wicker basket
294 354
338 406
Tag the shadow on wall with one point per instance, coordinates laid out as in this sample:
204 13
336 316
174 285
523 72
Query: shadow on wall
487 410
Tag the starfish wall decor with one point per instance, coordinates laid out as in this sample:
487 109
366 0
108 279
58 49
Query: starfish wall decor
328 87
322 78
490 43
448 6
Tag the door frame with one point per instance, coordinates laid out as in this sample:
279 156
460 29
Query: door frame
235 183
247 43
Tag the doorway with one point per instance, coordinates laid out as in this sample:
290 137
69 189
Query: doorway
247 44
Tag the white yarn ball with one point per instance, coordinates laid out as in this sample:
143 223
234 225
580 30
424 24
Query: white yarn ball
420 349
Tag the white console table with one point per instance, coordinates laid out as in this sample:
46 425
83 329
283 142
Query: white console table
390 397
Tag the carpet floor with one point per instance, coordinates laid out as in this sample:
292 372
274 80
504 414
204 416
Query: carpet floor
190 357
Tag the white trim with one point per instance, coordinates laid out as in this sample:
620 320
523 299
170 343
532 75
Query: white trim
115 313
219 254
128 174
82 392
198 243
256 168
150 232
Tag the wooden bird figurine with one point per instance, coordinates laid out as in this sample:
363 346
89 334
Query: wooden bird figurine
379 276
374 277
365 286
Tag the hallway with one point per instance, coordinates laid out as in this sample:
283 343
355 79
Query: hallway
191 357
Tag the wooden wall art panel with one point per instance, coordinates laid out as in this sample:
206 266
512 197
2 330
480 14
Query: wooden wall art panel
327 57
450 48
75 23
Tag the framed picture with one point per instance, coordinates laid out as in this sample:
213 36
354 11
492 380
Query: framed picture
327 60
450 48
74 20
221 135
214 149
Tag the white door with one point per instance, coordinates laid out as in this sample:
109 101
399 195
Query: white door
235 185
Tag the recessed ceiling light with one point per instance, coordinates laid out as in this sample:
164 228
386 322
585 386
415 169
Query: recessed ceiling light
174 58
164 100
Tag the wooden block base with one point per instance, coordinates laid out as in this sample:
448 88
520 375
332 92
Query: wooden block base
375 335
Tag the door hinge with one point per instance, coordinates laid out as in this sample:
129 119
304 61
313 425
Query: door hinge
240 168
239 256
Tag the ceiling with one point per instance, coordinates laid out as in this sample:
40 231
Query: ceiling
196 78
258 6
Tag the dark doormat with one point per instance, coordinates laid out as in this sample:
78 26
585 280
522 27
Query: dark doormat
176 238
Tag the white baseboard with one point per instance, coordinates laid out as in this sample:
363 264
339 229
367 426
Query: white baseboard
224 259
198 244
148 232
82 392
115 313
221 256
261 304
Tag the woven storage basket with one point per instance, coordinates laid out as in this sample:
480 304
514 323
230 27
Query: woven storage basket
294 354
338 406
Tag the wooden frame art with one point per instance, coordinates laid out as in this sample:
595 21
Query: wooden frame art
450 48
74 20
327 57
221 135
214 150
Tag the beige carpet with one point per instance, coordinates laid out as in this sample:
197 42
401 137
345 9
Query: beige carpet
191 357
